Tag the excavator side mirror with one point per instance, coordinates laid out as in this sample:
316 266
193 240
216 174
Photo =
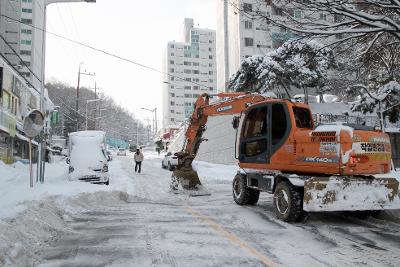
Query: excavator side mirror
235 122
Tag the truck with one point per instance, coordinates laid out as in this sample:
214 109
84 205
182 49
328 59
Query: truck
307 168
87 157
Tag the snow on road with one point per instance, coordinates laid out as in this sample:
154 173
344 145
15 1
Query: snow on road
137 221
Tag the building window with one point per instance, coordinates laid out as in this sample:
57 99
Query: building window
26 21
26 31
247 7
322 16
196 71
188 79
210 57
172 119
196 79
172 78
211 80
248 41
196 64
172 103
210 49
187 71
172 94
210 41
187 87
172 111
211 88
27 1
27 10
187 55
25 52
172 87
26 42
171 62
196 87
210 73
171 70
187 63
188 95
248 24
27 63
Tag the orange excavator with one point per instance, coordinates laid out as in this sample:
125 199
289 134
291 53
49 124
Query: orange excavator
335 167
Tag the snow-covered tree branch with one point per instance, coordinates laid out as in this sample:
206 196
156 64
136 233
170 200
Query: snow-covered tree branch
296 63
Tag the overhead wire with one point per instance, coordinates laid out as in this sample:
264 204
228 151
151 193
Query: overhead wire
107 53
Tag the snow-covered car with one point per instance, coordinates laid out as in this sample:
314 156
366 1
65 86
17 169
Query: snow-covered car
87 157
169 161
121 152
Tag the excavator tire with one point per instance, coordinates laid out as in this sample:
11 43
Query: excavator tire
288 202
243 195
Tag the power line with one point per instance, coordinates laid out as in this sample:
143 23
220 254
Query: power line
105 52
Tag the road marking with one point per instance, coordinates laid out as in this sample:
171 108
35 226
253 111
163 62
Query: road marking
231 237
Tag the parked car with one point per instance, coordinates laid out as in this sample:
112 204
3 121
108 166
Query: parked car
121 152
169 161
87 157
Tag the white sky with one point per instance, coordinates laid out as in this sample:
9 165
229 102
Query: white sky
137 30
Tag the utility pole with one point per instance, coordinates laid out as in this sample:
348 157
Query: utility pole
77 91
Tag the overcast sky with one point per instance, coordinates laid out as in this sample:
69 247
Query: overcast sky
137 30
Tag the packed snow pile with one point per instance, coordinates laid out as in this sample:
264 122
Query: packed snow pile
42 222
30 217
15 190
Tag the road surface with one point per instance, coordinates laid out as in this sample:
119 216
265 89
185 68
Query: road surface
154 227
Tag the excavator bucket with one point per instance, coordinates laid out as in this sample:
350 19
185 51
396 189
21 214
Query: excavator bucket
185 176
350 194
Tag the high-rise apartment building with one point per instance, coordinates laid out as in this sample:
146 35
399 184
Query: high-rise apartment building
26 40
240 34
191 68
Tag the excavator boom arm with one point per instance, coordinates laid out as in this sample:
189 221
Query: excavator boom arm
228 103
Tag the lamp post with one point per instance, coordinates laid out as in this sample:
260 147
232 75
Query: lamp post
154 110
86 114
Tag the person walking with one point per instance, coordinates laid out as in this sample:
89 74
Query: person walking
138 157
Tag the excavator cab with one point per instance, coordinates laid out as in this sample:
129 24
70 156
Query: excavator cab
265 128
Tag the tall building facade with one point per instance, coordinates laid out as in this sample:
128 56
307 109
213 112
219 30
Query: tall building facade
191 68
21 29
239 34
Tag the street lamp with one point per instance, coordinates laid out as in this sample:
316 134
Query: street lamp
86 114
154 110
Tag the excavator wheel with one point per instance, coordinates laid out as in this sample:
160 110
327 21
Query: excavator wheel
243 195
288 202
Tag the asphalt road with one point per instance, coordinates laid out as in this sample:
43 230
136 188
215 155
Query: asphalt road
156 227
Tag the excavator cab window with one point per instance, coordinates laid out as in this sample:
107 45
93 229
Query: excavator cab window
254 141
303 118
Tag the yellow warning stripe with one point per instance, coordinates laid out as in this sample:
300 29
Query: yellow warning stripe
231 237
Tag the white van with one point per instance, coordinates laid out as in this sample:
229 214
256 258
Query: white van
88 160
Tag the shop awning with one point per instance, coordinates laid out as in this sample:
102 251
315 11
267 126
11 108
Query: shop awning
24 138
